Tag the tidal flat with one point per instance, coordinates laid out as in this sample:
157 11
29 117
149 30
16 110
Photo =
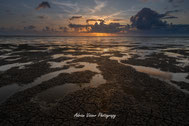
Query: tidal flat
47 80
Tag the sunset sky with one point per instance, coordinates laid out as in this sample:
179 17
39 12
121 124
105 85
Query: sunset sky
56 15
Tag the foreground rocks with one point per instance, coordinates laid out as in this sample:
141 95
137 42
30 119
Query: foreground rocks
135 99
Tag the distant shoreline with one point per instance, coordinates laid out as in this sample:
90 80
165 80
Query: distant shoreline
148 36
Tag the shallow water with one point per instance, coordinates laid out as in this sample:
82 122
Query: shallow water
54 94
7 91
9 66
97 80
115 48
157 73
87 66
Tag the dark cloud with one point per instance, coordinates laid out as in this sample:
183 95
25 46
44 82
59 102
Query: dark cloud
43 5
64 29
147 18
107 28
172 11
42 17
30 27
2 28
75 17
169 17
89 20
46 28
23 22
177 1
78 27
100 28
118 20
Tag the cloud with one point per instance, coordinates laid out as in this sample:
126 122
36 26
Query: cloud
144 0
98 7
115 14
9 12
118 19
23 22
43 5
78 26
27 6
67 6
42 17
170 1
49 29
172 11
99 28
64 29
169 17
177 1
46 28
147 18
107 28
30 27
89 20
75 17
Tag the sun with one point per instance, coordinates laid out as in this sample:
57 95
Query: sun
101 34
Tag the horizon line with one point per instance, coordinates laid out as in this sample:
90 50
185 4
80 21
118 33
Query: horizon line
172 35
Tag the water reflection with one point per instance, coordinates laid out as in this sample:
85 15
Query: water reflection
7 91
97 80
116 48
9 66
52 95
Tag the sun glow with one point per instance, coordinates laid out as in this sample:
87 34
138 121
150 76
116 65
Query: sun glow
101 34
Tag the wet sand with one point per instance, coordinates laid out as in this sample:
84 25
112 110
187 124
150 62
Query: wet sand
64 80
